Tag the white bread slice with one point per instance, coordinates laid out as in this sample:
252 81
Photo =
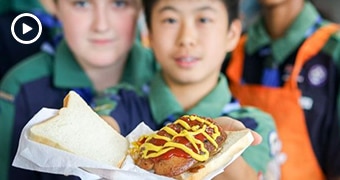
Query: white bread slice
235 144
79 130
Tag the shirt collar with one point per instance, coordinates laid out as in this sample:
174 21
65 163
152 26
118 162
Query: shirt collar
67 71
164 104
283 47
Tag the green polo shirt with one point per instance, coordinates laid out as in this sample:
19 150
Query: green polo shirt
66 74
212 105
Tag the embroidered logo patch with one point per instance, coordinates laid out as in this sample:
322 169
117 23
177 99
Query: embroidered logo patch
317 75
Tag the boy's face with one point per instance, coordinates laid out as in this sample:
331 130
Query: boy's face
99 32
190 39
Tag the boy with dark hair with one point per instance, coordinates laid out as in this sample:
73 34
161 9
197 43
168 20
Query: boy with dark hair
190 39
288 65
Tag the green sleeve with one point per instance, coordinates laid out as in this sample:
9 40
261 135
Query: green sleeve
6 127
260 156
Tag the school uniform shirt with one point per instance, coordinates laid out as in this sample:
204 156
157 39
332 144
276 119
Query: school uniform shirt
270 62
43 81
161 107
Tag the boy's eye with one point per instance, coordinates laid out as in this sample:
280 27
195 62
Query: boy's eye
81 3
120 3
204 20
170 20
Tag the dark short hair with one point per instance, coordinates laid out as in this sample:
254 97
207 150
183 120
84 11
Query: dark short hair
232 7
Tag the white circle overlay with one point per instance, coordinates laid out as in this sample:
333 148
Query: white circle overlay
24 15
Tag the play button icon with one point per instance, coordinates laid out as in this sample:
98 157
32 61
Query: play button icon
26 28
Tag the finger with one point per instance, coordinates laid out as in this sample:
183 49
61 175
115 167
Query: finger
257 138
112 122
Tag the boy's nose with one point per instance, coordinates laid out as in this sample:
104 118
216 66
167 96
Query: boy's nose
101 21
187 35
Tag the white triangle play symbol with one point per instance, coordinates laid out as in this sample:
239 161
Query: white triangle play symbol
25 28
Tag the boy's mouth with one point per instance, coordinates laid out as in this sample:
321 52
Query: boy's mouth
186 61
101 41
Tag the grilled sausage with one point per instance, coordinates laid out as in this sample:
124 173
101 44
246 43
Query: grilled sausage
181 146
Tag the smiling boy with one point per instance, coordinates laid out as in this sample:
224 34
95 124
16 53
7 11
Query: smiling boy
190 39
